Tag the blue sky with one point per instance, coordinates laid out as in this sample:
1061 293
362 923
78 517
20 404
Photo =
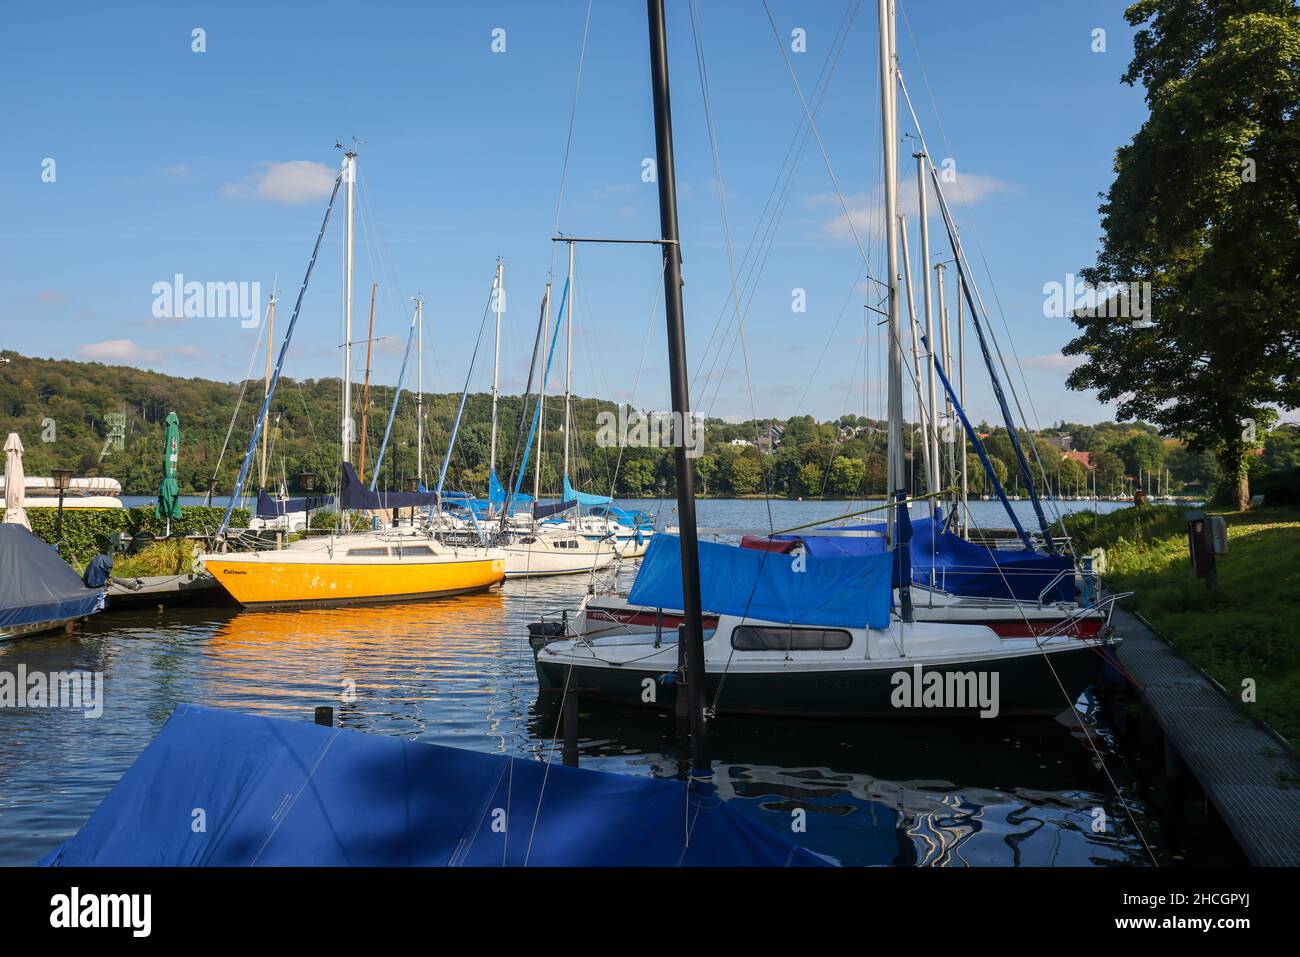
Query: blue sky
212 165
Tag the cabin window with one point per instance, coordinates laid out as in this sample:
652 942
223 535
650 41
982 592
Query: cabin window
751 638
367 551
416 550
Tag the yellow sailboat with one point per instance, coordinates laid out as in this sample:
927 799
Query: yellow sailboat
369 566
360 567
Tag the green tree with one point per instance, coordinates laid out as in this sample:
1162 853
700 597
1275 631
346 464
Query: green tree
1204 208
847 475
706 472
1109 472
638 475
745 474
812 478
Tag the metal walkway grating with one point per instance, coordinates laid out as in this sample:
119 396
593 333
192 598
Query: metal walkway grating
1242 768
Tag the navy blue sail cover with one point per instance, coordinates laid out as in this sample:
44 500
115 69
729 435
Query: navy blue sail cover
553 508
293 793
848 591
36 584
268 507
355 496
947 561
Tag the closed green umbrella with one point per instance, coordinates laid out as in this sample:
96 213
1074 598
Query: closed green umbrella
169 493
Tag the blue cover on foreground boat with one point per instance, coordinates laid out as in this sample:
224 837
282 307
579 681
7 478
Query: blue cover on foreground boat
944 560
846 591
277 792
36 584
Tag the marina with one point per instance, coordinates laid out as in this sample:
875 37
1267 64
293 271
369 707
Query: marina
459 672
553 500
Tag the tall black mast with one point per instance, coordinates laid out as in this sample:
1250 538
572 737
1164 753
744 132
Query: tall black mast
693 629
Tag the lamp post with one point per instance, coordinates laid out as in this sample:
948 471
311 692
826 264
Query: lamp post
306 483
62 479
212 487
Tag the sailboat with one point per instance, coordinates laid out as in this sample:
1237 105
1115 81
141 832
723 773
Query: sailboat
349 567
533 545
800 634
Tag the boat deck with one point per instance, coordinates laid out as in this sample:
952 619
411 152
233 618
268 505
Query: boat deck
1250 776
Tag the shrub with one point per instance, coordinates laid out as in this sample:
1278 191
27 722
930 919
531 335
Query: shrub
86 529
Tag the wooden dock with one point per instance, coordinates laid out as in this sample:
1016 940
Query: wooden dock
1251 776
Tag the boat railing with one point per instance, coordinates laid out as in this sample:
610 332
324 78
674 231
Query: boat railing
1106 605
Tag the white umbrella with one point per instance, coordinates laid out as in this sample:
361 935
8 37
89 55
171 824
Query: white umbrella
14 482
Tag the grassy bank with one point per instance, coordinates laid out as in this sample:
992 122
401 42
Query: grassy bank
1246 627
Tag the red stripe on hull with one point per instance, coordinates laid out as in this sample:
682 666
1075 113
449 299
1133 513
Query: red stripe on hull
645 618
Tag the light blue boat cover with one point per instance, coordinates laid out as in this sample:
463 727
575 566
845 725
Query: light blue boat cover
36 584
582 497
848 592
277 792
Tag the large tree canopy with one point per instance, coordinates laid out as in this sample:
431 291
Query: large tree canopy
1204 207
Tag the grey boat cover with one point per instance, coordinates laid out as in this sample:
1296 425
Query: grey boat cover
36 584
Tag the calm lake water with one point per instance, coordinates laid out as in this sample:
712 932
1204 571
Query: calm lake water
459 672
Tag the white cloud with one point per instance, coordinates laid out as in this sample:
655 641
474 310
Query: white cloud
867 209
294 181
118 350
180 169
1054 361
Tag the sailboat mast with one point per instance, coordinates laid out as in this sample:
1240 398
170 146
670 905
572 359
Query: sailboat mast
496 364
896 471
924 416
270 337
350 164
419 392
932 458
568 362
941 310
692 628
541 397
961 394
365 388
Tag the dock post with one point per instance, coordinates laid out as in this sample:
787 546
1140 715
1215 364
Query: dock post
570 721
325 716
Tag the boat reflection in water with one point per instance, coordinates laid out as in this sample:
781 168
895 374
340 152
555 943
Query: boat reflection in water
396 668
940 794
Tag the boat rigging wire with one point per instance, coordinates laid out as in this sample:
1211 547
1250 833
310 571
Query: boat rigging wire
812 122
721 189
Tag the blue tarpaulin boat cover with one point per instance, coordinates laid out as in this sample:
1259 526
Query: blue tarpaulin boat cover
850 592
36 584
583 498
623 516
948 562
277 792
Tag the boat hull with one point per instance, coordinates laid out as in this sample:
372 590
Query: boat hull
270 582
1026 686
34 628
